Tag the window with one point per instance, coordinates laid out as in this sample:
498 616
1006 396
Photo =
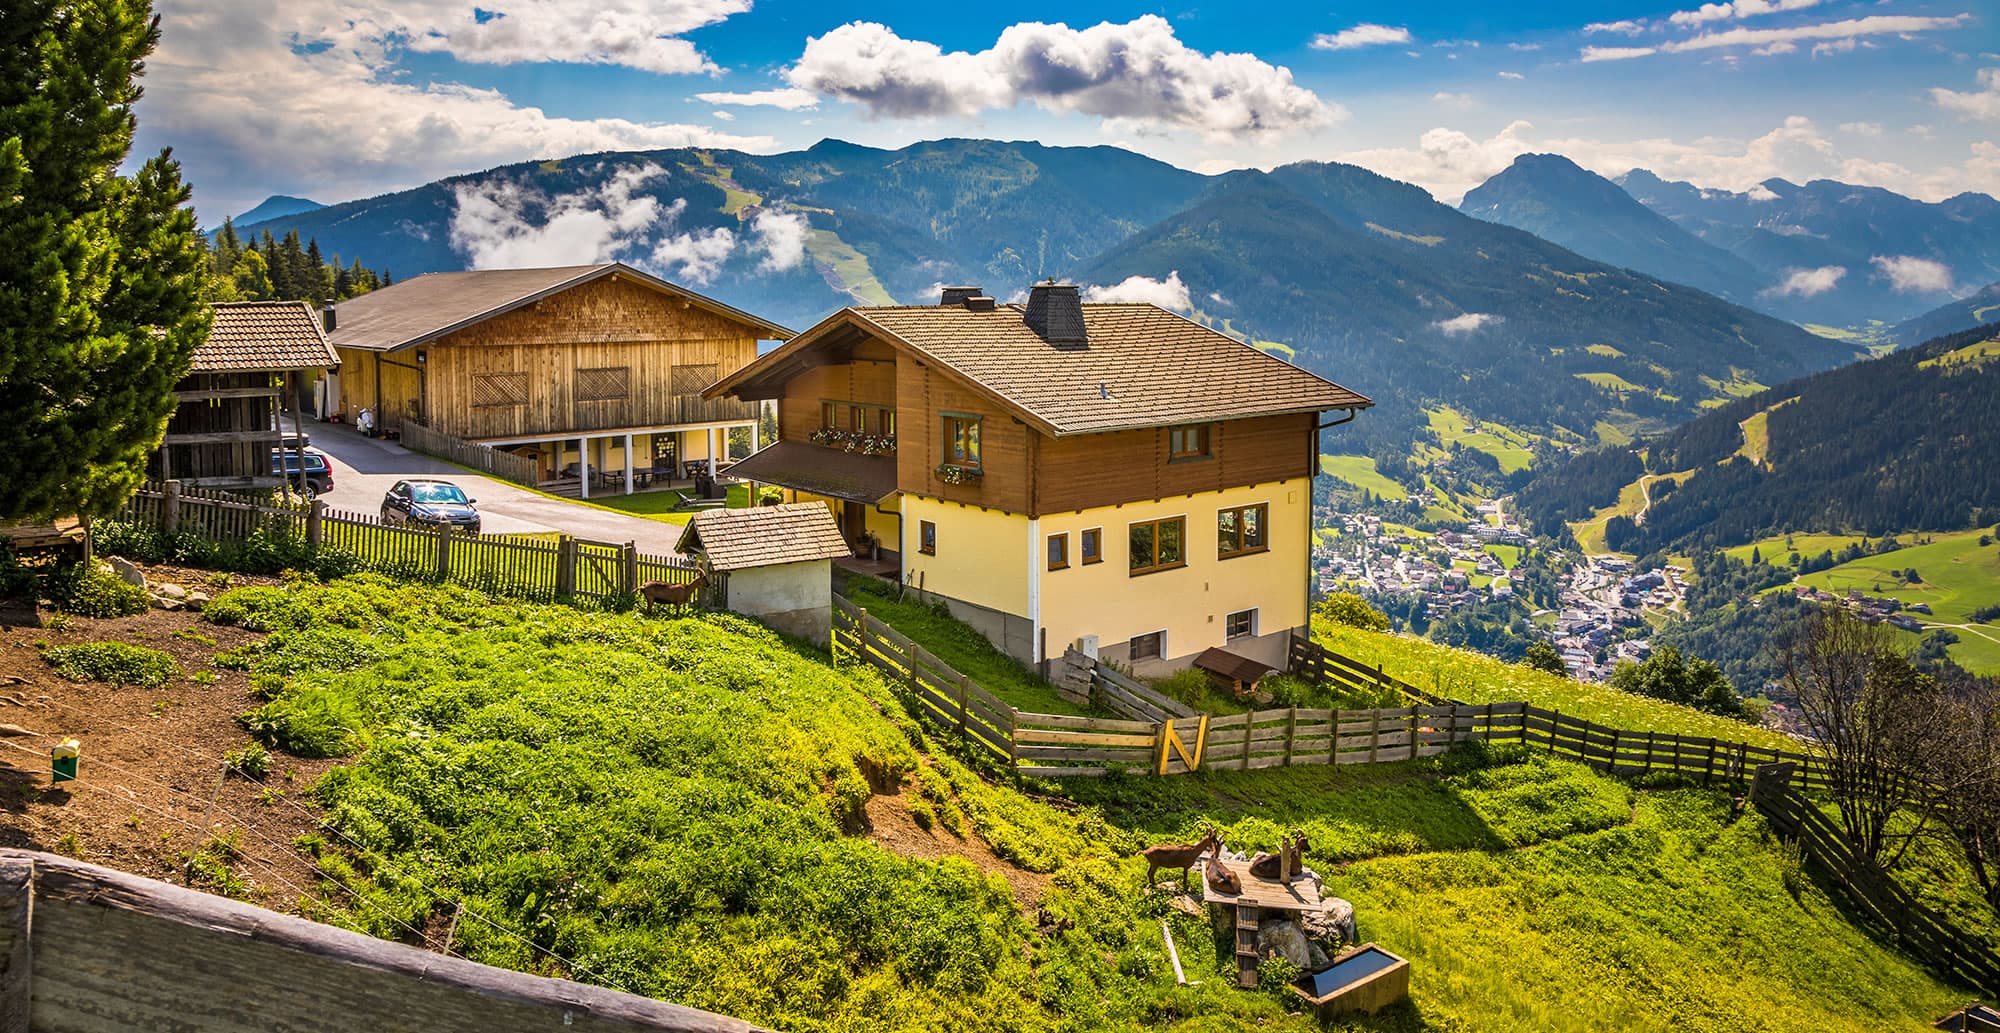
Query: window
1148 647
927 537
829 415
961 441
689 380
857 419
1187 442
1241 531
1093 545
1058 551
495 389
1159 545
1241 624
606 384
888 417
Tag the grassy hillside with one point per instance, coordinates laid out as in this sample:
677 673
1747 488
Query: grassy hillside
1959 576
695 809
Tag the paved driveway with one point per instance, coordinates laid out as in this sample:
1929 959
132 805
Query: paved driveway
364 468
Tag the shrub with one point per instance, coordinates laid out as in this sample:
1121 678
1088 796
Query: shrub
253 760
116 662
89 590
1543 657
17 580
1353 611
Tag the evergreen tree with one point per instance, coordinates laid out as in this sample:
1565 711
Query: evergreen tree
100 274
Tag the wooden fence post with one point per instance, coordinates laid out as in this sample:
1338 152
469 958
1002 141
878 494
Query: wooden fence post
566 567
1333 740
170 506
963 702
1555 726
1613 769
443 552
1416 737
1374 735
315 534
628 569
1291 733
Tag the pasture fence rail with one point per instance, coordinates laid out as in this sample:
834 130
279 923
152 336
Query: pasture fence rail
504 465
514 565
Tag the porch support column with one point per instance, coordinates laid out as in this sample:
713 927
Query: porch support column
628 464
583 467
711 453
756 430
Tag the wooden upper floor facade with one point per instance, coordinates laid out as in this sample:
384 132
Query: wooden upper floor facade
529 354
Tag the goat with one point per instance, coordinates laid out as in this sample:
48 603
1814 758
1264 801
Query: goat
1221 879
660 593
1272 867
1178 855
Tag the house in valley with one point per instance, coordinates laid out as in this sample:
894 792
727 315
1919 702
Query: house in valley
589 370
242 378
1111 476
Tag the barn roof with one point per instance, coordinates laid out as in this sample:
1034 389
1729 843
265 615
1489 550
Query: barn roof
764 536
247 336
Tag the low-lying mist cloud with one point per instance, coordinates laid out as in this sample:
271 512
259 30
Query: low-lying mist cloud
1170 294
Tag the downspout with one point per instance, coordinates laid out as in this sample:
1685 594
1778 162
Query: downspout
1312 478
898 514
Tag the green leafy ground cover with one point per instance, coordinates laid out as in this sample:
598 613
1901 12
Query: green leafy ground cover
959 645
673 807
1477 678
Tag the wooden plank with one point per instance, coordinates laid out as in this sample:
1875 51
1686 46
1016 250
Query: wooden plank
1063 772
1070 753
1084 724
1027 735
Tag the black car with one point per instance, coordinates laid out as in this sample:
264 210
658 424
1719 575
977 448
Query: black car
318 474
431 503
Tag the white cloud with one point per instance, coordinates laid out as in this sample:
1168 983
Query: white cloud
1847 31
1861 128
1806 283
1170 293
500 224
696 256
1739 9
722 116
1512 75
1216 296
1456 100
790 99
631 33
1985 104
1366 34
1913 274
1465 323
1760 193
1838 46
1783 46
782 238
342 121
1524 46
1137 74
1594 54
1627 27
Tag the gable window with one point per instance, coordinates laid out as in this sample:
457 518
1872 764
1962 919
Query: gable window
604 384
1190 442
961 441
1148 647
1241 624
1058 551
1092 545
927 537
1159 545
1241 531
495 389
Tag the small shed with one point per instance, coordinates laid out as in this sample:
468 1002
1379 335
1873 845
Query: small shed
222 432
777 562
1239 674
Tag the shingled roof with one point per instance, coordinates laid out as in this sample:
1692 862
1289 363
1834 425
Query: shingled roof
412 312
1138 366
261 335
764 536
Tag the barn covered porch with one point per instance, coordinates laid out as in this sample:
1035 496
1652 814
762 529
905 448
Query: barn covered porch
626 460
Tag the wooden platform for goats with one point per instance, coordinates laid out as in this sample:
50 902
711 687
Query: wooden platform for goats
1246 909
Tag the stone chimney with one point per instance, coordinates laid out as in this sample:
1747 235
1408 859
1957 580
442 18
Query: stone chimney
971 299
1055 313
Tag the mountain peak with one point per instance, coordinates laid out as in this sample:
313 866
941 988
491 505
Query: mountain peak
277 206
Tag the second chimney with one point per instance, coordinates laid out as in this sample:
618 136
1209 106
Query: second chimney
957 296
328 323
1055 313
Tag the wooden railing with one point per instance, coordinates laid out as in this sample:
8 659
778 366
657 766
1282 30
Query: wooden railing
504 465
1314 662
942 695
1118 692
514 565
1924 932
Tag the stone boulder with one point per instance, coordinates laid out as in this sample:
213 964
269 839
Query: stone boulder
1332 928
124 569
1285 939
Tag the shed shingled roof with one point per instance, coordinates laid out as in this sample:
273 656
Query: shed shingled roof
764 536
411 312
1142 366
261 335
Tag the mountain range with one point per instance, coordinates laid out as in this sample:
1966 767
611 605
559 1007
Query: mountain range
1979 307
1354 275
277 206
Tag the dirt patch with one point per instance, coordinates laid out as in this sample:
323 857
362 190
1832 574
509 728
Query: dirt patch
147 794
892 826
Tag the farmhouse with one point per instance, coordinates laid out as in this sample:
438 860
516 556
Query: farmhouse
1111 476
590 370
241 378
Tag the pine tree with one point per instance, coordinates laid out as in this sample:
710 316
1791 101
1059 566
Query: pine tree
100 274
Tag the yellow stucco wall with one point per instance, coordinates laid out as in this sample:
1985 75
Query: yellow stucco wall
1105 600
883 524
982 554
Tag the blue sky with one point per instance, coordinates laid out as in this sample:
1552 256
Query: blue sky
337 99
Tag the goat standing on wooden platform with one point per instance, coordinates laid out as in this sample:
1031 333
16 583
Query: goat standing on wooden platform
1178 855
661 593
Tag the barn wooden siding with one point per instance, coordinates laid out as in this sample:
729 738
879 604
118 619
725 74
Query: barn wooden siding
110 952
223 430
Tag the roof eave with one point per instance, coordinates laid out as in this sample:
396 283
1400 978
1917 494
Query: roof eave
1154 425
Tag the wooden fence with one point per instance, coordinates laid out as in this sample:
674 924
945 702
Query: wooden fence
1920 930
1314 662
943 695
112 952
515 565
504 465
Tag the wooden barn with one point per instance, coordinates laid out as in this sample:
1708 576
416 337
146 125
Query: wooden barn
595 372
241 381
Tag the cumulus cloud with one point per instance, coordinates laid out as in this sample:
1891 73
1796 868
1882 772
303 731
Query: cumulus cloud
1984 104
695 256
1625 27
1465 323
631 33
1366 34
782 237
1913 274
500 224
1805 283
789 99
1591 55
1739 9
1137 74
344 121
1170 294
